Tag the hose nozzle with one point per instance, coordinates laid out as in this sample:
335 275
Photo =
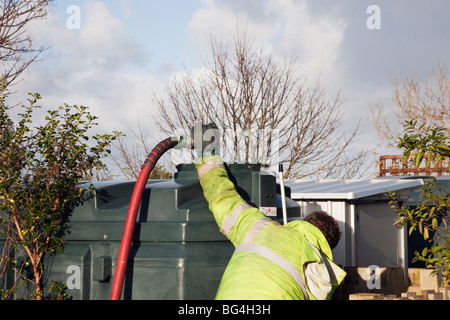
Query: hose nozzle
183 142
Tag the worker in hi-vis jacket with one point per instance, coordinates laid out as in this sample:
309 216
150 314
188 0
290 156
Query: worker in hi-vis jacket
271 261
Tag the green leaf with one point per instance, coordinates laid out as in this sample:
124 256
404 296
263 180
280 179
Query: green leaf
418 159
443 147
432 210
434 223
425 233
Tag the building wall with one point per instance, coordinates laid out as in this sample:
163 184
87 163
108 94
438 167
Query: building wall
339 211
378 241
368 234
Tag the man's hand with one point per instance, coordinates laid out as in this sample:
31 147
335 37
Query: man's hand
205 139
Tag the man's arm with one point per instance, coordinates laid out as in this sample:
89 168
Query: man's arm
233 215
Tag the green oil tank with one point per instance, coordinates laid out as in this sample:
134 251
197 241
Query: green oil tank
177 252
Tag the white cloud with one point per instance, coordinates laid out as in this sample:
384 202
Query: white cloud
100 66
106 39
283 26
222 21
316 39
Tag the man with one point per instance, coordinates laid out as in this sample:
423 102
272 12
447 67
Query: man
271 261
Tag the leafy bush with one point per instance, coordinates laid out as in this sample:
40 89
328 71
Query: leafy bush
431 216
40 174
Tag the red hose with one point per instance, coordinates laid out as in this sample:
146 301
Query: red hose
130 221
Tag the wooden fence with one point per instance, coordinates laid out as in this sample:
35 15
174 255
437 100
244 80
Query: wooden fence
395 166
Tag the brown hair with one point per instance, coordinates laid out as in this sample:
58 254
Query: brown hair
327 225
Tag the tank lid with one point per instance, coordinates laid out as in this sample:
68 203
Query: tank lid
186 171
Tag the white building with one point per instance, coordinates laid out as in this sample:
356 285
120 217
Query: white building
362 209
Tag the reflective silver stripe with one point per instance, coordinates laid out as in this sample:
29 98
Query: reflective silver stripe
232 217
209 166
277 259
325 260
256 228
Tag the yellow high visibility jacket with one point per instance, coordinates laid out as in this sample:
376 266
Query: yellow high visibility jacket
271 261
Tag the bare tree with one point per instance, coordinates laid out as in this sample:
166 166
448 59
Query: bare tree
265 111
426 101
16 46
16 54
128 158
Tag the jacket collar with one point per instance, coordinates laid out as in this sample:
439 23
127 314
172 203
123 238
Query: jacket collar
314 236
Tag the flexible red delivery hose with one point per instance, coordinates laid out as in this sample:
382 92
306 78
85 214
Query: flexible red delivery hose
130 221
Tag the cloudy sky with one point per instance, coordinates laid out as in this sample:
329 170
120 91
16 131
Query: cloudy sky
111 55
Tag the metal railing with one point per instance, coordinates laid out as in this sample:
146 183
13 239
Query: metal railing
395 166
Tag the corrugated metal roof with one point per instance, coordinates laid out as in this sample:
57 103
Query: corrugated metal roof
347 189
